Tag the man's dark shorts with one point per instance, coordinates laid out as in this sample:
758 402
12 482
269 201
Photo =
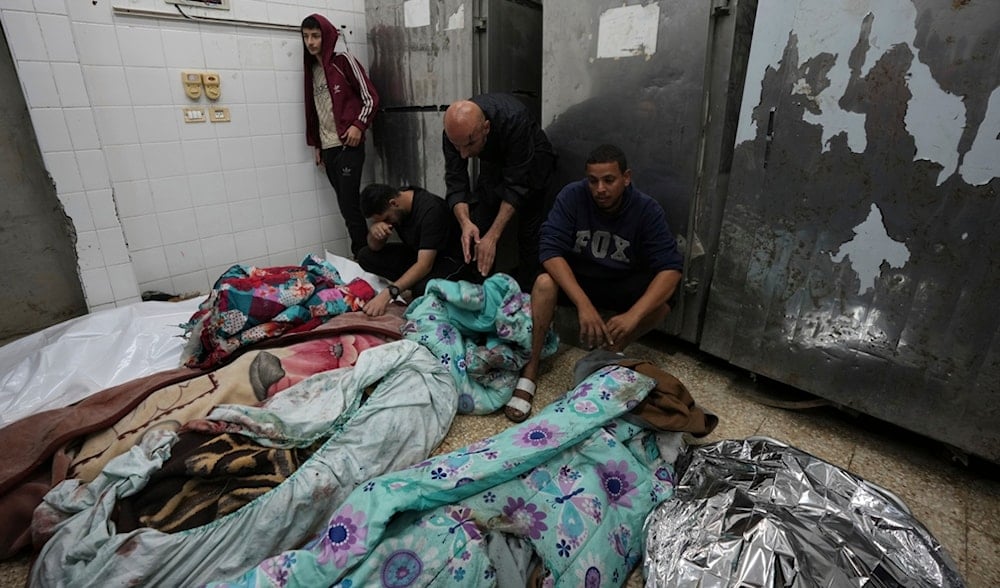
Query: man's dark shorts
618 294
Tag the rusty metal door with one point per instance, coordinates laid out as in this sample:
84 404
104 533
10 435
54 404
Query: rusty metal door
859 256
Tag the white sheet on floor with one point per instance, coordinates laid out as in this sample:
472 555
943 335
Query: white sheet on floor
68 362
65 363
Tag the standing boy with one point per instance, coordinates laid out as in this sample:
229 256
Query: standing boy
340 104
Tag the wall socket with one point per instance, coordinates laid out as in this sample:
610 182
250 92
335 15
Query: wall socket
218 114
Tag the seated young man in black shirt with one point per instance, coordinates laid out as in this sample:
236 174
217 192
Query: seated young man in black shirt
429 247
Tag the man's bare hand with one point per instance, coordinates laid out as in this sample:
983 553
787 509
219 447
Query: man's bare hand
621 327
380 231
376 306
470 238
353 138
486 251
593 331
319 156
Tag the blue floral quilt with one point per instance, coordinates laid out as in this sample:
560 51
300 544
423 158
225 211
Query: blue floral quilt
575 481
482 333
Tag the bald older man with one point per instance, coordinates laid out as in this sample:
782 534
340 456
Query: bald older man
516 163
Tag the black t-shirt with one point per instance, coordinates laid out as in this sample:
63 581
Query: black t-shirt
430 225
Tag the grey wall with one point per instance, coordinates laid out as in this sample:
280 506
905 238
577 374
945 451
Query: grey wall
37 254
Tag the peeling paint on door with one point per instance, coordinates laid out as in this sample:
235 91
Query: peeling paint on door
870 248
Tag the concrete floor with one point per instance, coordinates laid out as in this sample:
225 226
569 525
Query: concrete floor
959 504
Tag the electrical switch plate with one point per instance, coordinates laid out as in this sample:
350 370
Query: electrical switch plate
194 115
218 114
212 86
192 84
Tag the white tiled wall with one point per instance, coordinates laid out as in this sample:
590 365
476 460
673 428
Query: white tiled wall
159 204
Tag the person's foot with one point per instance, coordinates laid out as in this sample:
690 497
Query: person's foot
518 408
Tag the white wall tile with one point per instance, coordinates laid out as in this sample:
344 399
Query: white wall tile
287 257
255 52
125 162
292 119
183 258
250 244
123 282
207 189
289 86
255 10
259 87
88 250
18 5
149 265
283 13
221 50
238 125
245 215
267 151
96 286
302 177
276 209
241 185
177 226
170 193
212 220
296 150
161 285
325 197
39 86
232 87
78 209
332 227
96 44
201 156
58 37
272 181
24 37
133 198
148 86
69 84
195 131
142 232
303 205
106 85
116 125
102 207
279 238
307 233
50 129
140 46
93 170
263 119
237 153
288 51
183 49
89 12
113 246
219 251
338 247
193 282
82 129
158 124
50 6
64 171
163 159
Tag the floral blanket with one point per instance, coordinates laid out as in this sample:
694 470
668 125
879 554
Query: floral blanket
575 481
481 333
249 304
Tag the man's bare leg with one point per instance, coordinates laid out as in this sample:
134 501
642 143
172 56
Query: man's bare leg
544 294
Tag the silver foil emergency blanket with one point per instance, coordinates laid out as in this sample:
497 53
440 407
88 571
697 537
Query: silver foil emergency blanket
759 513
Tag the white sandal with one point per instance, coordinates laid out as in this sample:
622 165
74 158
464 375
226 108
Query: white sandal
519 404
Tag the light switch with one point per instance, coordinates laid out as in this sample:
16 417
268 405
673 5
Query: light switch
192 84
218 114
194 115
213 87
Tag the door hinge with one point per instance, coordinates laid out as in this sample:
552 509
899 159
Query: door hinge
479 24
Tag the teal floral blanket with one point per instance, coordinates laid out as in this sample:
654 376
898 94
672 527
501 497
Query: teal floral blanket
481 333
575 481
